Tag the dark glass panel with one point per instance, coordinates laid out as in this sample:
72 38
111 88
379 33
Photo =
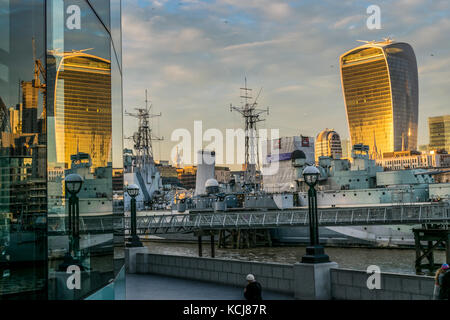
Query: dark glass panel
80 142
23 206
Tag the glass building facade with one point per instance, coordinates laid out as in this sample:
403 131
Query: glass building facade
380 88
61 114
439 129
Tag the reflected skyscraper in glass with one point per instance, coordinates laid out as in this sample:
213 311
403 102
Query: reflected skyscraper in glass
381 93
61 114
83 107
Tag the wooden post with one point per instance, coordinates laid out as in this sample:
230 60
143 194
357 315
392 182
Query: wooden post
430 257
418 252
247 238
213 253
239 239
200 249
268 237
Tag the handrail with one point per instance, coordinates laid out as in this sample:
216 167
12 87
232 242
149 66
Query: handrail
375 215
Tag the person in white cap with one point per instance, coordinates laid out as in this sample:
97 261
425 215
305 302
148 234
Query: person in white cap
252 291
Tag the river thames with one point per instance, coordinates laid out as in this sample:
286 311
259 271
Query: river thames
389 260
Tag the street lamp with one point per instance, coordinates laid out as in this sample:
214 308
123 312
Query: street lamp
73 183
314 252
133 192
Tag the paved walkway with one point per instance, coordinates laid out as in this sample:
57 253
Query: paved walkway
155 287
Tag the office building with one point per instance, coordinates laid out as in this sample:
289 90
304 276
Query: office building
414 159
439 128
328 144
380 88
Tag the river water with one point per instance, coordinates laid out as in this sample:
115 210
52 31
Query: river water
389 260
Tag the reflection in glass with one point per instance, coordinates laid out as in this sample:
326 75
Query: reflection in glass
23 199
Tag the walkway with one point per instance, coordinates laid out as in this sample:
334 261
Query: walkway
156 287
381 214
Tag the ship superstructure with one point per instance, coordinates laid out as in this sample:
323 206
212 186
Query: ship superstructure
140 168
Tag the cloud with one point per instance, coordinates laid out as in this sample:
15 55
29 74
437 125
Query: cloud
178 73
348 21
193 58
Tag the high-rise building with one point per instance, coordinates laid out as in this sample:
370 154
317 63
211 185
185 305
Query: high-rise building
83 107
60 113
328 144
346 149
380 88
439 128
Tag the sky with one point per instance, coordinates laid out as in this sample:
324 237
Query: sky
193 56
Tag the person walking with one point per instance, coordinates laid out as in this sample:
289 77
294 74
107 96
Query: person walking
437 278
252 291
444 283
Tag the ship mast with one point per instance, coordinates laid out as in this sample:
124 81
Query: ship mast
251 115
143 137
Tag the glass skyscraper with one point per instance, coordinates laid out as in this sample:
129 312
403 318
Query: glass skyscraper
439 128
61 114
380 88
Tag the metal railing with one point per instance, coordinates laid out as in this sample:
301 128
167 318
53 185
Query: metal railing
376 215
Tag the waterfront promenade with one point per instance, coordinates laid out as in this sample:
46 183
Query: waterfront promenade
157 287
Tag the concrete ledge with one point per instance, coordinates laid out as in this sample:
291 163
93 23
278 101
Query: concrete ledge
131 260
352 285
312 281
307 282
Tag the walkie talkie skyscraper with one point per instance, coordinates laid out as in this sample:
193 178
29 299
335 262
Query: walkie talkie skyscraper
381 93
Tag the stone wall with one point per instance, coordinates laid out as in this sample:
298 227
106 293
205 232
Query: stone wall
347 284
272 276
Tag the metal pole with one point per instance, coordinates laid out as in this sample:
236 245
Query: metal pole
135 241
316 221
71 233
311 218
76 224
133 218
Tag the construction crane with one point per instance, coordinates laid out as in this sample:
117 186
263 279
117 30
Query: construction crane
39 71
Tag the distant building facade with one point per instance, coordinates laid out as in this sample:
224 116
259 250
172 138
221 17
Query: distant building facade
187 176
222 174
380 88
328 144
413 159
439 128
346 149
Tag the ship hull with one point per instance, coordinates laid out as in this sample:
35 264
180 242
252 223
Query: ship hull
376 236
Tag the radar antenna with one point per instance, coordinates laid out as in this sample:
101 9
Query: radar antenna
143 137
251 115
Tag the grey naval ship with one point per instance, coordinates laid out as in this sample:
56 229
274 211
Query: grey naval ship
342 183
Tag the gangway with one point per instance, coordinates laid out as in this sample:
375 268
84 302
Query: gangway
405 214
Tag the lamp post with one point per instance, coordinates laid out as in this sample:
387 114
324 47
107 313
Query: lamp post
133 192
315 253
73 183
